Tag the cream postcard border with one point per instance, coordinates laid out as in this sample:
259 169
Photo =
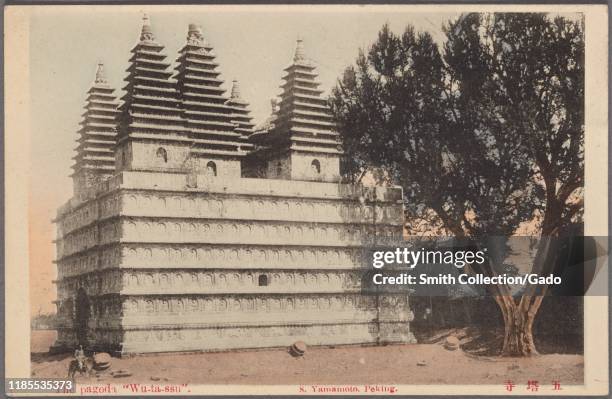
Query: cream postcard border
17 156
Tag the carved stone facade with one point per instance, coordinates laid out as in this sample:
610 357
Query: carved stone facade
161 266
207 234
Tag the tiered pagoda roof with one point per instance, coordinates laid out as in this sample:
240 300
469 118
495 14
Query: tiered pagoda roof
240 111
217 124
303 120
98 134
151 107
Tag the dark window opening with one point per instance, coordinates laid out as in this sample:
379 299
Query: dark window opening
263 280
316 166
161 153
211 168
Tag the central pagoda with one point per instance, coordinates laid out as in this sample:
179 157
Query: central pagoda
219 140
183 123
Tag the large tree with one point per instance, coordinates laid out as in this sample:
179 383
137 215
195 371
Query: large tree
485 133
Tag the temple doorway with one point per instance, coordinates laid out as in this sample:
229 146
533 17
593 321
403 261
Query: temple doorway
81 316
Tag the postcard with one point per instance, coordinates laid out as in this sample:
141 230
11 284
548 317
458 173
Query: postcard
306 200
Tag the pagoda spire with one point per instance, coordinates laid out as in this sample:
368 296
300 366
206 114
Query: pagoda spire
299 51
240 112
236 90
195 36
100 75
151 107
146 33
216 122
94 159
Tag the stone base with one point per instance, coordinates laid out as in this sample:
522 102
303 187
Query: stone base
249 338
242 338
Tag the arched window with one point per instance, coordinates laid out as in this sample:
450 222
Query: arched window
162 154
316 166
263 280
211 168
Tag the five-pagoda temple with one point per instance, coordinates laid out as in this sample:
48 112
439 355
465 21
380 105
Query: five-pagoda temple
192 230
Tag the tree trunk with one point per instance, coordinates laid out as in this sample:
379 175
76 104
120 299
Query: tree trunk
518 325
519 314
518 335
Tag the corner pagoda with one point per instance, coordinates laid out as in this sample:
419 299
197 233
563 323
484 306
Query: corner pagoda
94 161
302 144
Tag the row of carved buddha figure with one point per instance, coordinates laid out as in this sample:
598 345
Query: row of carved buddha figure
180 281
229 208
88 212
78 241
88 237
108 281
180 231
138 306
210 256
252 232
106 312
227 280
269 208
244 256
90 261
77 218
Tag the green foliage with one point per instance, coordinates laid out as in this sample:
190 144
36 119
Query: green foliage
487 132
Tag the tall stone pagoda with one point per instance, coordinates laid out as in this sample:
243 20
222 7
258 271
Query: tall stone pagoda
303 143
151 111
210 118
179 250
95 153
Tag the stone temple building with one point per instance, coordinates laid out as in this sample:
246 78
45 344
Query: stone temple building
192 230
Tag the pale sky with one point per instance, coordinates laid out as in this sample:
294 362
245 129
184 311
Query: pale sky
253 45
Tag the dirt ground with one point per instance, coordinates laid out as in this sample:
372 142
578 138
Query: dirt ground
393 364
